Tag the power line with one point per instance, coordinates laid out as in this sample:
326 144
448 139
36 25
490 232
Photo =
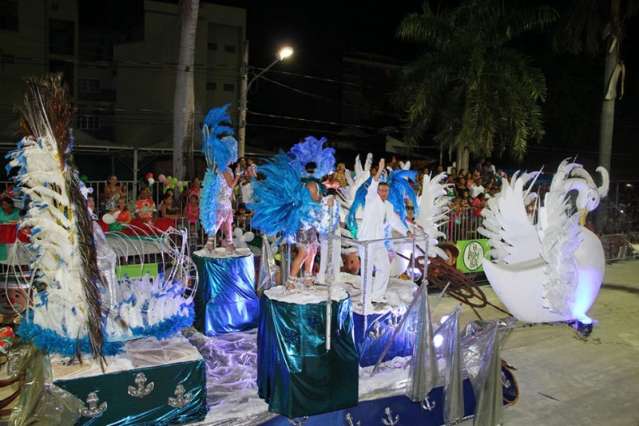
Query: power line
308 120
311 77
301 92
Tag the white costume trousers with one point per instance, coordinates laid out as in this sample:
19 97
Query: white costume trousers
377 261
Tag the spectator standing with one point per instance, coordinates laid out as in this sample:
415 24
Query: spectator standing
167 207
112 193
144 205
122 214
8 212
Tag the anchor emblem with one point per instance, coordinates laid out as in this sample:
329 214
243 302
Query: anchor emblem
428 405
94 410
298 421
350 422
141 388
377 332
389 420
395 319
181 397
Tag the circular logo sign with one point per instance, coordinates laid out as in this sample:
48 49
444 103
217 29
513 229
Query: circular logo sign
473 255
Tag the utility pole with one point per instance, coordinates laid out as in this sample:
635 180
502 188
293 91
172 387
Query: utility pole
241 132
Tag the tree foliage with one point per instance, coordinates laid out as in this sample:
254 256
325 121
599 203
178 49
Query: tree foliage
470 86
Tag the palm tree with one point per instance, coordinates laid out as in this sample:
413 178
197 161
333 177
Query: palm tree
598 27
477 93
184 100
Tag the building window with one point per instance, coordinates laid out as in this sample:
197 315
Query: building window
89 122
9 15
211 86
61 36
212 46
229 87
229 48
88 85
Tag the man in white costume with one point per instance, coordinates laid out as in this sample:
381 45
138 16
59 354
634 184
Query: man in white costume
378 216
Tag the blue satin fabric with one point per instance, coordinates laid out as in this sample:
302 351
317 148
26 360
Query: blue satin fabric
295 373
153 409
380 327
225 300
374 412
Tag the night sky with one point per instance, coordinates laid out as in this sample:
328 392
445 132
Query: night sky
323 32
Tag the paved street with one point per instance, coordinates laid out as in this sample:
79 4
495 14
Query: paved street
564 380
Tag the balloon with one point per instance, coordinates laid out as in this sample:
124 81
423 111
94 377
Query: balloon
108 219
162 179
248 237
148 176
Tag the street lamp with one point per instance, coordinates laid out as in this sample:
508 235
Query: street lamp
284 53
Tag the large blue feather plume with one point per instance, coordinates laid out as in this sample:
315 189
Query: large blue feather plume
282 204
358 202
400 189
218 144
309 150
208 201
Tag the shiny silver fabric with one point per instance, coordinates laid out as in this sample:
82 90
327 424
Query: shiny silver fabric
482 341
267 267
424 373
454 380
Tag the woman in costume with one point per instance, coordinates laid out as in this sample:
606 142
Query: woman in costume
220 150
306 240
287 200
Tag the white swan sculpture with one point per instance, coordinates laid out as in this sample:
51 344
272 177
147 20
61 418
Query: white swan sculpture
551 270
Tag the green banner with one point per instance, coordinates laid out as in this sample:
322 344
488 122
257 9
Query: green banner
471 254
137 271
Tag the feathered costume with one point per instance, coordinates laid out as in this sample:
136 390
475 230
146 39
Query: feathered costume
72 268
312 150
220 150
283 205
67 316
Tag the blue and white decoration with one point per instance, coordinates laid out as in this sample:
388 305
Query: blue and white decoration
220 150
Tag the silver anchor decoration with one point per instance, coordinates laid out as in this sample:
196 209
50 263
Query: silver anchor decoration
93 410
428 405
350 422
395 319
389 420
377 332
298 421
181 397
141 388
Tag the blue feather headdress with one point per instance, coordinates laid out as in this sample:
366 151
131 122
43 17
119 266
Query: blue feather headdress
310 150
282 202
218 144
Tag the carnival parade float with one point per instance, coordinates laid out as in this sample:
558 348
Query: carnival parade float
128 327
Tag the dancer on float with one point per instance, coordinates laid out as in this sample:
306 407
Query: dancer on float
379 218
220 149
306 240
287 201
